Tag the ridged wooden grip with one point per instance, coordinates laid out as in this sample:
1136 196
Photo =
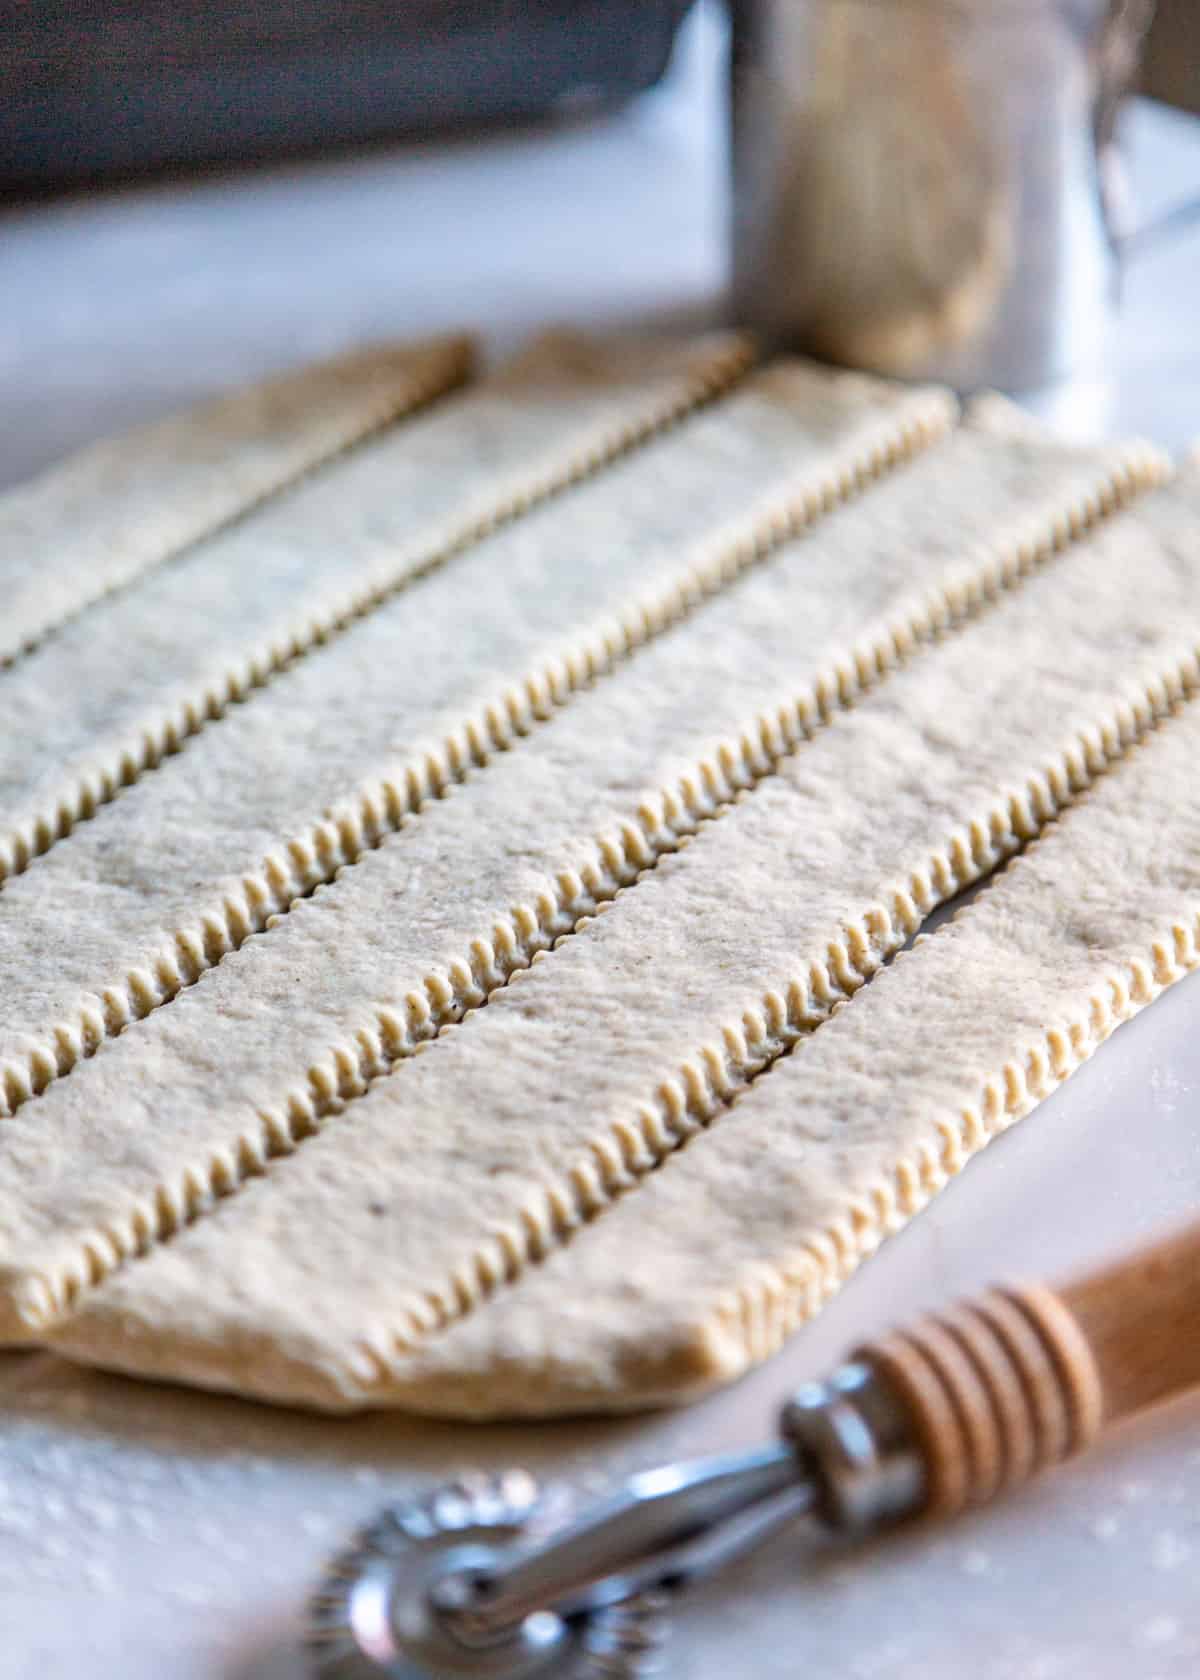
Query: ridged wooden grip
996 1390
1002 1387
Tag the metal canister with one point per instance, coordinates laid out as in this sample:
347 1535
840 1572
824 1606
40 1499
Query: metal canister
930 188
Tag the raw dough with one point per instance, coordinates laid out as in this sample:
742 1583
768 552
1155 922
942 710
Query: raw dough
493 1148
782 730
293 577
273 587
138 902
117 509
842 1143
417 931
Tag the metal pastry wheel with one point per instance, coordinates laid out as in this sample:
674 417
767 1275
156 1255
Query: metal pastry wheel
403 1599
491 1578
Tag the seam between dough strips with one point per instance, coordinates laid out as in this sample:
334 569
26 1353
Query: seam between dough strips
787 1293
721 1071
415 392
378 808
254 671
664 824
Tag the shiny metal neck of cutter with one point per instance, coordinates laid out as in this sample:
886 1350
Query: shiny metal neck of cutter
487 1578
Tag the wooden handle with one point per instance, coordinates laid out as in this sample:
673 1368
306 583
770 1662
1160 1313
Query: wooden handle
999 1388
1141 1319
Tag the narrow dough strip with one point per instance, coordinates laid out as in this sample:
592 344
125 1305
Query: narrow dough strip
116 509
851 1135
963 763
275 586
255 814
443 912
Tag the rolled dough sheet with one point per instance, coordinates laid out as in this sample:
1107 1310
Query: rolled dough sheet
286 1029
522 1138
227 616
135 904
125 505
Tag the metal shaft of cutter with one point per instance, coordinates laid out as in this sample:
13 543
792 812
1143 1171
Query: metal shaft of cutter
666 1528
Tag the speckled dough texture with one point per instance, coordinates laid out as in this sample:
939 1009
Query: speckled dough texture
123 506
491 1011
198 851
299 574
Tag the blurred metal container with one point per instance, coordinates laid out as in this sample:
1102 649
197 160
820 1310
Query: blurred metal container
930 188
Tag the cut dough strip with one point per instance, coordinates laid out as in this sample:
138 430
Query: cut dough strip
122 506
259 811
476 1160
276 585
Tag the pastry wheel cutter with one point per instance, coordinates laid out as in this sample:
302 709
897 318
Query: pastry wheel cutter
492 1578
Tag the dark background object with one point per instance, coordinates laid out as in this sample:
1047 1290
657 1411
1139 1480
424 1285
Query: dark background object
95 88
1171 69
98 88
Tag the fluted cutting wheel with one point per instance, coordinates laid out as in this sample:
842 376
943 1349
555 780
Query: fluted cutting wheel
371 1616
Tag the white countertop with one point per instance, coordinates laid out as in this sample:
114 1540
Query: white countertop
147 1532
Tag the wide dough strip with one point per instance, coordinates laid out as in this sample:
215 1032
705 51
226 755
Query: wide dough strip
162 883
269 1041
842 1143
126 504
479 1158
229 613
